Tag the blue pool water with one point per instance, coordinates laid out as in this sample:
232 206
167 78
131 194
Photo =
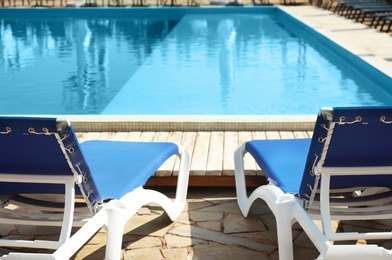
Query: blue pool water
258 62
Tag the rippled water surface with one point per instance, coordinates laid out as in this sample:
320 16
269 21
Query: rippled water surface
218 64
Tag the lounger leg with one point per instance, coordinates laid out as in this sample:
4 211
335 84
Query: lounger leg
242 197
117 217
283 215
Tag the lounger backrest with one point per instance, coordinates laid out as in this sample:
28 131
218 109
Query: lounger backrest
41 146
351 137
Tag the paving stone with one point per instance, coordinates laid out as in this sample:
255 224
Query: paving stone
181 230
154 225
270 237
216 252
353 228
144 253
213 225
268 220
274 255
227 207
305 253
235 223
174 241
99 238
259 207
208 193
17 237
143 242
184 219
221 238
144 211
387 244
303 240
32 230
384 222
152 208
6 229
91 252
175 254
197 204
4 251
205 216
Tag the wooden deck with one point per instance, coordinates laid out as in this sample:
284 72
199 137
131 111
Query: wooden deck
211 153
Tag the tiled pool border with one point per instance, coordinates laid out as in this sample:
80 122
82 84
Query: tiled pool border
191 123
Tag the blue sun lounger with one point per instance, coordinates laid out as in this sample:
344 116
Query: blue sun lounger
344 172
42 156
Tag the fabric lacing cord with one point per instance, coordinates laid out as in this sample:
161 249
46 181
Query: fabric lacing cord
81 173
45 131
342 118
7 131
384 120
79 176
313 189
94 207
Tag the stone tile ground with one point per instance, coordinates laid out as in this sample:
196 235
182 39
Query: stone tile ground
210 227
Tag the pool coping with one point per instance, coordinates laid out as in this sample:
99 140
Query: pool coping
107 123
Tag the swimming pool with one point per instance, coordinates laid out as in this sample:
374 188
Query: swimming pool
182 61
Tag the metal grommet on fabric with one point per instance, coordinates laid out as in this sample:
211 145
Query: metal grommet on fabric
324 126
7 131
384 120
357 120
321 140
31 130
65 136
70 150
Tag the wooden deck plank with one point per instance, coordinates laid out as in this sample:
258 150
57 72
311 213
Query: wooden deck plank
105 135
173 162
286 135
167 167
89 136
188 142
119 136
215 155
160 137
300 134
212 153
259 135
230 145
147 136
133 136
272 135
249 162
200 153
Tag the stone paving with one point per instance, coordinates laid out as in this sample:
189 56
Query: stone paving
210 227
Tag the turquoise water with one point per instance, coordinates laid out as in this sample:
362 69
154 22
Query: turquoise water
196 64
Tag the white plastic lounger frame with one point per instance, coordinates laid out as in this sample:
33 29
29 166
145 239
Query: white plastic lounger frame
293 204
74 173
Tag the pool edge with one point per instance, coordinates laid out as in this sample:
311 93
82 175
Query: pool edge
117 123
